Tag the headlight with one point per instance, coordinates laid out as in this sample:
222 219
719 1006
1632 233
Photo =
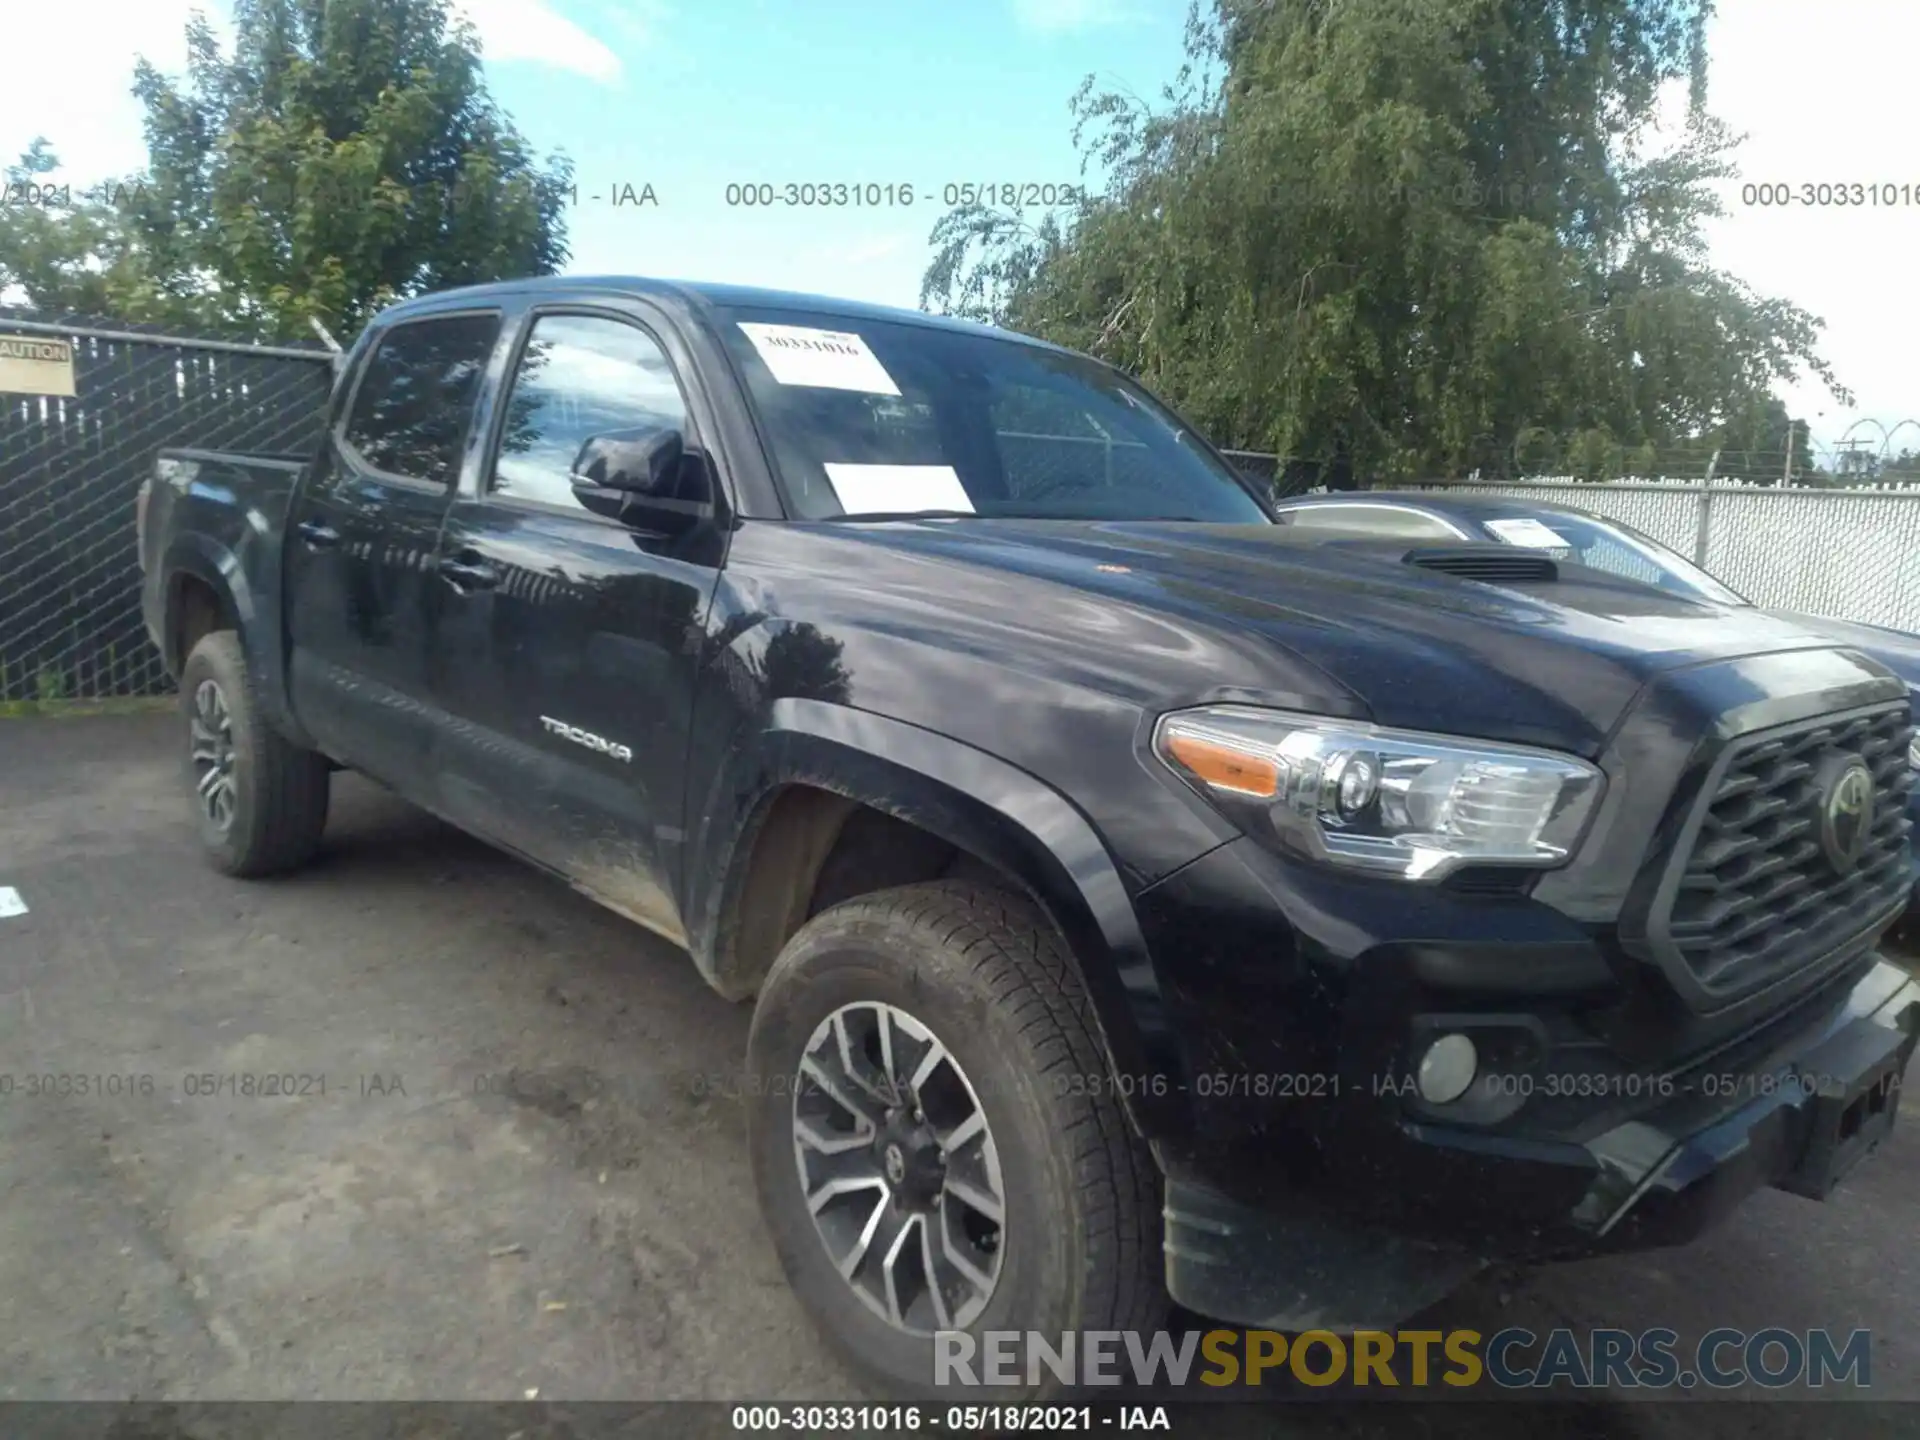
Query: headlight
1393 802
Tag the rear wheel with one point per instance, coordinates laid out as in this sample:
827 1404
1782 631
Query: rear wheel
260 801
934 1142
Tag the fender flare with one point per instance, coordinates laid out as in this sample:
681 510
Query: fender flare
217 566
988 808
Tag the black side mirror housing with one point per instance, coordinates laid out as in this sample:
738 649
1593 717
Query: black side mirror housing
637 462
646 478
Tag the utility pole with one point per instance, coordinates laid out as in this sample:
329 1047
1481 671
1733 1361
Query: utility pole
1786 476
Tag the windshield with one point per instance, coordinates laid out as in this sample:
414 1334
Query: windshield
876 418
1608 545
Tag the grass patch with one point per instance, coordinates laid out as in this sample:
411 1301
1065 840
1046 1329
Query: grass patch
69 709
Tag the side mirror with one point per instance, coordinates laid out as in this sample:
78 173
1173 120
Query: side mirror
646 478
638 462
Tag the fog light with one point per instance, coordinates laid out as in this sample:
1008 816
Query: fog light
1447 1069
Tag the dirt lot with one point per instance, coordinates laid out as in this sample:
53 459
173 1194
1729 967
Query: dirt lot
589 1233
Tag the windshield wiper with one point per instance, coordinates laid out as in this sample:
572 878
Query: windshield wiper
878 515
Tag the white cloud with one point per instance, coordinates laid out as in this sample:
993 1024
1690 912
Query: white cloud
530 31
76 90
635 23
1828 102
1064 16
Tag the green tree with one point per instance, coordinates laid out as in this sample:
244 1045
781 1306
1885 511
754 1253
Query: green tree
1404 237
64 250
1761 445
1755 445
1902 469
347 153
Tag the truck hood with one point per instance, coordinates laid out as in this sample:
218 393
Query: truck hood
1895 649
1553 663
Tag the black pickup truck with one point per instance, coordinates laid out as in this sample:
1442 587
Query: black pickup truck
1141 899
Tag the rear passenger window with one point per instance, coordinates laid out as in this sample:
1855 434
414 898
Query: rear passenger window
414 403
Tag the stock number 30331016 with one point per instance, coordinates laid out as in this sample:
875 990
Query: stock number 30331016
952 1420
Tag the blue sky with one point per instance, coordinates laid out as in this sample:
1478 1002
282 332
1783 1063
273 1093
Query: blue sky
690 95
736 91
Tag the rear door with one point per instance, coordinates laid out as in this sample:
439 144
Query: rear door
361 588
568 641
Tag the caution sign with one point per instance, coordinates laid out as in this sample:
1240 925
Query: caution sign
30 365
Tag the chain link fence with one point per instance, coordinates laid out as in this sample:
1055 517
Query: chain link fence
1849 553
70 467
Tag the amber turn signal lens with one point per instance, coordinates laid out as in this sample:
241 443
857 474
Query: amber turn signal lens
1224 766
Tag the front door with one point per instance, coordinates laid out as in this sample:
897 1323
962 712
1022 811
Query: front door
567 641
360 585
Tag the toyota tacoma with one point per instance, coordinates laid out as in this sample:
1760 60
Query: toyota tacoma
1140 899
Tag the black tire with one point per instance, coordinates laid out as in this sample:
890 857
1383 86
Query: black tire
278 793
984 971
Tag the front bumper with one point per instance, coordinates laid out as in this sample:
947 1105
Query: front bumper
1625 1090
1796 1117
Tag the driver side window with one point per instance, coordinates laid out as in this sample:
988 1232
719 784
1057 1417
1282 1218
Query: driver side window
579 376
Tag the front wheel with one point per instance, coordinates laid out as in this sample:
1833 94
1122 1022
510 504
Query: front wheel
260 800
933 1142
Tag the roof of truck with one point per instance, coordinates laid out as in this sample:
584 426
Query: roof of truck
711 294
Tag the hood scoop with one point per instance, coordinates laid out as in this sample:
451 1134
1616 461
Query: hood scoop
1491 564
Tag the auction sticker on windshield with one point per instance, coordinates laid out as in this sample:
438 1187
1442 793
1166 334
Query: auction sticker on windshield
828 359
1529 532
864 489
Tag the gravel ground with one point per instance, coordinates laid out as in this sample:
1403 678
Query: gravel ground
420 1231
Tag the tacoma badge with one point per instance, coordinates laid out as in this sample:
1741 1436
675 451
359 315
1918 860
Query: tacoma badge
587 738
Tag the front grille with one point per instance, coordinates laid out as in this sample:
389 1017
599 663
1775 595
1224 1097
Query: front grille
1757 893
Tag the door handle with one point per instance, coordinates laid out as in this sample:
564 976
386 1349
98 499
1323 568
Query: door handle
318 534
467 571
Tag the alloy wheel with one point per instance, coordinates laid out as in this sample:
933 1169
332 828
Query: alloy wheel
899 1168
211 729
